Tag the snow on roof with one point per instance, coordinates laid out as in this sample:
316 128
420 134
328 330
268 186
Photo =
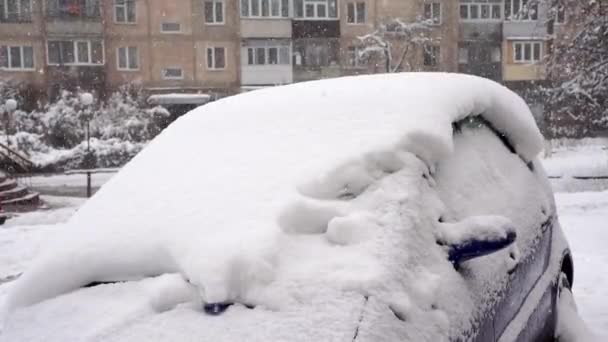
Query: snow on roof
173 99
254 193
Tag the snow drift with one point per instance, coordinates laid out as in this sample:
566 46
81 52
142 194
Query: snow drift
268 197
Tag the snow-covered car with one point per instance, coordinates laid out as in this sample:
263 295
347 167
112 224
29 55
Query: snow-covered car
403 207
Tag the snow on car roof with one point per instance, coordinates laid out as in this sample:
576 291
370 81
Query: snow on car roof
255 191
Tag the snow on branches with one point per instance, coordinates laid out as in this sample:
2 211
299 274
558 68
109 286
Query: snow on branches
579 68
393 40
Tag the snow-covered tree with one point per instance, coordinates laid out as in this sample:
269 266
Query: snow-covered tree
578 68
393 40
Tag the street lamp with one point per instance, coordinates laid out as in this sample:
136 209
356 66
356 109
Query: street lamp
86 100
10 105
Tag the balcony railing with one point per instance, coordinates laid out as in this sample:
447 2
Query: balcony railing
16 18
74 10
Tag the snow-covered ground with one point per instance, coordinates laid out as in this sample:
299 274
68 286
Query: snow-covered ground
584 218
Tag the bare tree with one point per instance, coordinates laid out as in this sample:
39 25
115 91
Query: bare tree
396 38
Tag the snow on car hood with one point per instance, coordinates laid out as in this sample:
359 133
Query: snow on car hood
268 197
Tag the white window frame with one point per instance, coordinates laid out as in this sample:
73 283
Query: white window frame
316 4
8 58
212 49
521 4
259 15
5 14
76 55
267 53
479 4
532 59
356 13
127 58
165 77
162 30
125 7
432 18
215 4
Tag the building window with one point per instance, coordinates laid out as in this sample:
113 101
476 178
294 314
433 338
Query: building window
214 12
316 9
170 27
432 12
560 14
355 13
265 8
432 53
15 11
75 52
481 10
527 52
172 73
127 58
270 55
74 8
124 11
463 55
17 57
216 58
522 10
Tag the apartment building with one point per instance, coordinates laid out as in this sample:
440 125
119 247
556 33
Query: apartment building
211 46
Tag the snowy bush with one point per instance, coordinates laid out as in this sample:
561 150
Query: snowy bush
54 137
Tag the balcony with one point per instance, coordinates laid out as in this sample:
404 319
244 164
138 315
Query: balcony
265 28
481 31
74 17
528 29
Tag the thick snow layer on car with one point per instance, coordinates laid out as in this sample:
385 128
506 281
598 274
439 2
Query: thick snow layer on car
282 196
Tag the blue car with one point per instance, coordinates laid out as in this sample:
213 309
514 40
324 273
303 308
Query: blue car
403 207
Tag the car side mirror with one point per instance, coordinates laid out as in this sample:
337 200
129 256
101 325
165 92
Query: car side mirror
475 237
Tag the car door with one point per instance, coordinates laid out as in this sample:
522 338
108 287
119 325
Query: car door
484 176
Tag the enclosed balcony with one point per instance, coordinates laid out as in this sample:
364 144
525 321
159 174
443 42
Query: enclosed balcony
74 17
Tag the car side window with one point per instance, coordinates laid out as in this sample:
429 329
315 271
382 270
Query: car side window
485 176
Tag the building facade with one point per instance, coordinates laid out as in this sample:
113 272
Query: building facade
223 47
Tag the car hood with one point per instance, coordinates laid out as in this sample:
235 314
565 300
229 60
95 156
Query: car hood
164 309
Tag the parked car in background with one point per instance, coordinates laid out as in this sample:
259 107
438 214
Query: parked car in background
403 207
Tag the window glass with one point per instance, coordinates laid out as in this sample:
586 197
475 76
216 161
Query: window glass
15 57
260 56
209 14
273 56
67 52
220 58
284 55
350 12
133 58
122 58
3 56
464 12
360 12
275 7
97 52
527 52
83 52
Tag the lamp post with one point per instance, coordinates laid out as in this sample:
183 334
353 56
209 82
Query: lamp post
10 105
86 100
